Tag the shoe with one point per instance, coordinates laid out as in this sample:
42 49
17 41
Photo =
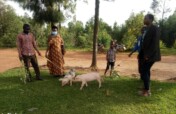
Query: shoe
145 93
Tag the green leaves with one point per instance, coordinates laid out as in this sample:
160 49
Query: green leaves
133 27
169 31
8 26
49 11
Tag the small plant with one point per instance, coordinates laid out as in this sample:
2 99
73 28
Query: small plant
162 45
24 74
115 74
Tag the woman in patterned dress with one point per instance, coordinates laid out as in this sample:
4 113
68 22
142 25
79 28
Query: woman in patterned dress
55 53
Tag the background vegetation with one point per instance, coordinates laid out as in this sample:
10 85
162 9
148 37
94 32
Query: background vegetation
78 35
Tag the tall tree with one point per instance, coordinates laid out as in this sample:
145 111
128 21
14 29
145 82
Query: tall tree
155 6
169 33
49 11
160 7
94 57
95 33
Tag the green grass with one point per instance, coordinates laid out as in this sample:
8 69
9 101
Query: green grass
50 98
73 49
168 51
164 51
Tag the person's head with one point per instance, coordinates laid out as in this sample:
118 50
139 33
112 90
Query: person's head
143 29
54 30
112 44
148 19
26 28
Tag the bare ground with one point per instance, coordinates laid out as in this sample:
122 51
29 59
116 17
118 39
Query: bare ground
164 70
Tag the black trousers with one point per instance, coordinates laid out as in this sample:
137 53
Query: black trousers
145 73
33 60
110 64
140 63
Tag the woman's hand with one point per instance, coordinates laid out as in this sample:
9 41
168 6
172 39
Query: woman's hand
46 54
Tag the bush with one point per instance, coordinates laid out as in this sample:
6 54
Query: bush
174 46
81 41
104 38
162 45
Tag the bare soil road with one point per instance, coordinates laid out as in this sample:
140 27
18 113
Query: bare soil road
164 70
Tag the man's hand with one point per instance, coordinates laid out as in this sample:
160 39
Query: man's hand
39 53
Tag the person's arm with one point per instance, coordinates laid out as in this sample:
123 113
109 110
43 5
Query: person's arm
131 53
107 56
35 46
134 49
62 47
46 53
47 49
18 44
115 56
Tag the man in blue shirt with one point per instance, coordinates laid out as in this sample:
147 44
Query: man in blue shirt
137 47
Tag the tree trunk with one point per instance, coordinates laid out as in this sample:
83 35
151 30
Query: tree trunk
94 55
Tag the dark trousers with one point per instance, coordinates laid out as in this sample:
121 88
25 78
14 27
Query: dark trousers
33 60
146 66
110 64
140 63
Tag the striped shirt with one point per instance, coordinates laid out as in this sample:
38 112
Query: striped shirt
26 44
111 55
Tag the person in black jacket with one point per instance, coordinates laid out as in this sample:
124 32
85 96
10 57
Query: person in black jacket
150 52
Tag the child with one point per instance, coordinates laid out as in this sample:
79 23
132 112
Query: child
111 57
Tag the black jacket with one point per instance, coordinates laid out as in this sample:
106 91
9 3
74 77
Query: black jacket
150 46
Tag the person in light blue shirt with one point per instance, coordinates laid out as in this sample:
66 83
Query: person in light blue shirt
139 41
137 47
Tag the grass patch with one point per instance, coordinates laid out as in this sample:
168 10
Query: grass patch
168 51
48 97
78 49
72 49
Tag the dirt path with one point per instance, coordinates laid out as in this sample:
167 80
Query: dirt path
164 70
